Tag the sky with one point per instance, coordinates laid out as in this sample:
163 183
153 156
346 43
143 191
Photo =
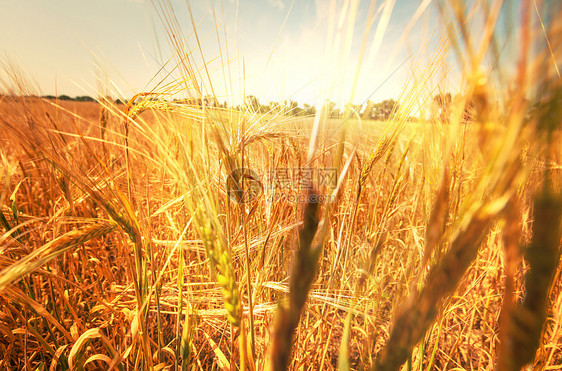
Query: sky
304 50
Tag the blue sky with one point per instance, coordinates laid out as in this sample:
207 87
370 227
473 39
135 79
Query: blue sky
66 45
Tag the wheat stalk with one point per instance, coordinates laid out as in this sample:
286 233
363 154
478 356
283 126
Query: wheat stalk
52 249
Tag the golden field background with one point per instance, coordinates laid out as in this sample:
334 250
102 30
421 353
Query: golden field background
123 247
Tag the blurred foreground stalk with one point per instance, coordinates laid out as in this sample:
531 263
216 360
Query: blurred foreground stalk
303 274
525 322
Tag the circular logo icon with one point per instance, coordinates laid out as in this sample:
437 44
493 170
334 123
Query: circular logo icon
243 185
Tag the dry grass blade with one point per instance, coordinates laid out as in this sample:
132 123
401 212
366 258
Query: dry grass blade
56 358
222 361
49 251
78 349
16 294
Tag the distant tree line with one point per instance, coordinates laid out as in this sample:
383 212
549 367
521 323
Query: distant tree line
81 98
373 111
380 111
441 108
288 107
207 101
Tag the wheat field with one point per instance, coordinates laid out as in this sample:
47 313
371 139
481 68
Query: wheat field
165 234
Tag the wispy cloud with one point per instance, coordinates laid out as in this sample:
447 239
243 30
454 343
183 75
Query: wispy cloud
277 4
